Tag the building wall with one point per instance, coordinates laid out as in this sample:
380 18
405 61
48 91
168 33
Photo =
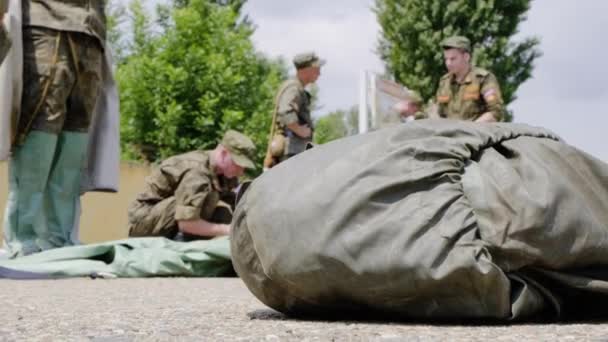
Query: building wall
104 215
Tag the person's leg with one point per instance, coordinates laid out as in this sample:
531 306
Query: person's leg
47 83
153 220
28 173
63 190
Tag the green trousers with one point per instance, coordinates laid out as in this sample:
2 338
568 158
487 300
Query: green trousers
44 192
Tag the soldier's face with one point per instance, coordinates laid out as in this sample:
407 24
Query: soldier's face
233 170
456 61
228 167
310 74
315 73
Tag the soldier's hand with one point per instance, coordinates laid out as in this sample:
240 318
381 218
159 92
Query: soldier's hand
486 117
306 131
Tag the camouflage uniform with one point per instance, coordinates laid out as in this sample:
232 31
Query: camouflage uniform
63 52
294 106
84 16
183 187
477 94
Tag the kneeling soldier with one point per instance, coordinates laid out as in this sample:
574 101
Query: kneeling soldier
191 195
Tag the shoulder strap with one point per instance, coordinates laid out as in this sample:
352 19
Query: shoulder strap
481 72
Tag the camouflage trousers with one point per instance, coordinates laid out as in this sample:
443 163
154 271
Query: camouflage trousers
61 81
159 219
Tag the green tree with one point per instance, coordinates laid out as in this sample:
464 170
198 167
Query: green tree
336 125
115 19
413 29
330 127
180 90
164 9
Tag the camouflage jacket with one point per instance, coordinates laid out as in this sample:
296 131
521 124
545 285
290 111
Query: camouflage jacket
477 94
293 105
197 190
84 16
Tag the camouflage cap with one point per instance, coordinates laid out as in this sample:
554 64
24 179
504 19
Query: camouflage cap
457 42
241 148
307 59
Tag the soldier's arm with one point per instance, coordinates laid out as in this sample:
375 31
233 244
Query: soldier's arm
191 194
303 131
441 101
192 198
289 106
490 91
204 228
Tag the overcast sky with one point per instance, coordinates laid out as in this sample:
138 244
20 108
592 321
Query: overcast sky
568 93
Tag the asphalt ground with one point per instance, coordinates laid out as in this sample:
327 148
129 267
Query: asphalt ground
182 309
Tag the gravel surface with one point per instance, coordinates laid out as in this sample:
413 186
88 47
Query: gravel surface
168 309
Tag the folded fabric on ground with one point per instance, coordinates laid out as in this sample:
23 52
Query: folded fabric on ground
129 258
430 220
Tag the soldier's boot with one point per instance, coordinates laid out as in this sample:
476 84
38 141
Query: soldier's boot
62 198
29 168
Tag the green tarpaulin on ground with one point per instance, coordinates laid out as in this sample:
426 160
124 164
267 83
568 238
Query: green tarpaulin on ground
435 219
134 257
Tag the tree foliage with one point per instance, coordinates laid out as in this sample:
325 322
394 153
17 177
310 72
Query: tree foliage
413 29
336 125
182 89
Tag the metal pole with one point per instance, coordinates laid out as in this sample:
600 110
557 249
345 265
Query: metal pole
363 124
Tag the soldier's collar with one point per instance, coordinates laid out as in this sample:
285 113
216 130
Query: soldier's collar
468 78
300 83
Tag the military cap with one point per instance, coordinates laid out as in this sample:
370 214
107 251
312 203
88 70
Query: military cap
241 148
457 42
307 59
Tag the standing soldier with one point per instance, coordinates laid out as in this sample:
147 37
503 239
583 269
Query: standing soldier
292 126
63 58
467 92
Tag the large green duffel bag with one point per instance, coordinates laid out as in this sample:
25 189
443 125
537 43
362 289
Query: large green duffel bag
435 219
